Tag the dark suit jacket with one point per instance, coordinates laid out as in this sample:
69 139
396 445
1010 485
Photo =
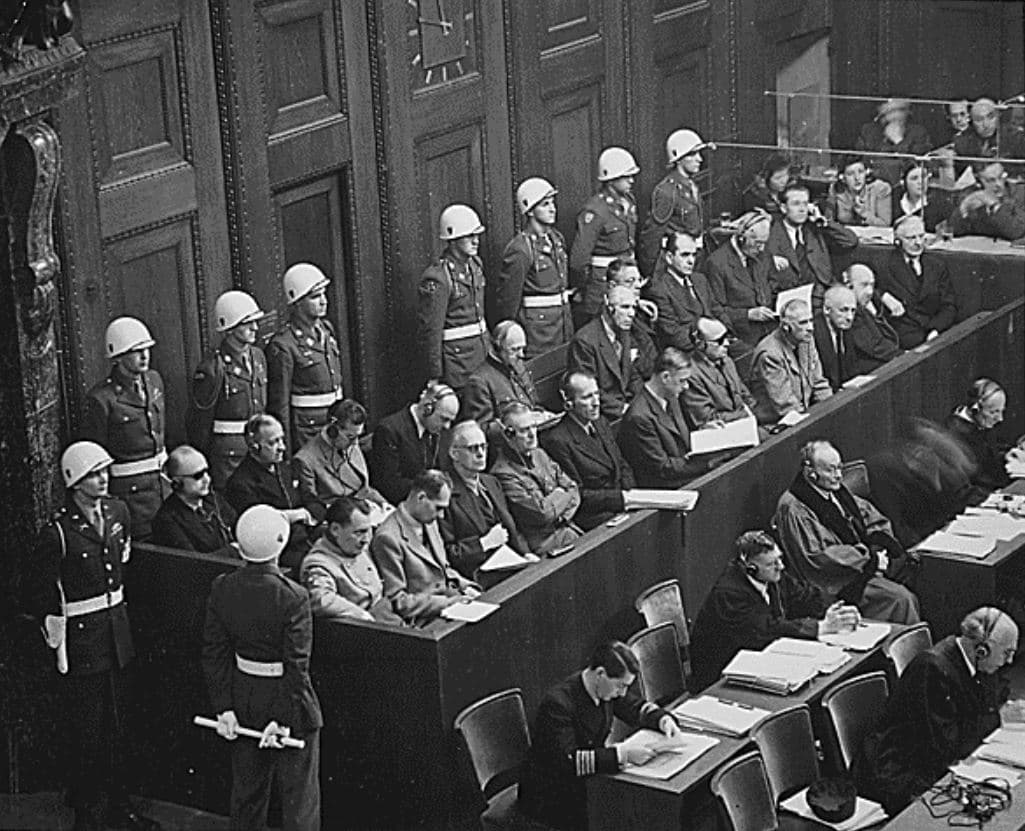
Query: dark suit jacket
176 525
819 242
873 339
928 301
715 391
618 379
735 616
252 483
595 463
655 441
465 522
678 308
737 289
836 371
398 454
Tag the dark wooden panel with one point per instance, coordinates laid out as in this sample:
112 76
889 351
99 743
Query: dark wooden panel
566 21
684 81
575 141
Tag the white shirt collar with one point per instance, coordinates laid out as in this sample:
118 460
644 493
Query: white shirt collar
741 254
968 661
793 231
763 588
420 429
662 402
610 333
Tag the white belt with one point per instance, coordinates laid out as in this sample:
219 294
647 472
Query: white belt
77 608
470 330
546 301
229 428
264 669
603 262
150 465
320 399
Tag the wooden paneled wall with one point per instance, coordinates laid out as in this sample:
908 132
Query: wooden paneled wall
219 142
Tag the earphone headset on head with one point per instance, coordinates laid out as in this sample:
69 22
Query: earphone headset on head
432 395
750 569
750 219
505 410
981 391
983 648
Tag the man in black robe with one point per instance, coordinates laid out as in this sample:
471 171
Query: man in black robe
944 704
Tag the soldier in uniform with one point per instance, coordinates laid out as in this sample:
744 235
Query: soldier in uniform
606 231
125 413
533 287
229 386
74 586
451 331
676 200
304 370
256 660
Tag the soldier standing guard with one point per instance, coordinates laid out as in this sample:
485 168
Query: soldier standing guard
606 229
229 386
125 414
74 586
533 287
303 361
451 332
256 660
676 200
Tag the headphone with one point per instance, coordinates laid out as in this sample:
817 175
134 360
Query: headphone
983 649
750 569
980 391
750 219
508 408
977 800
432 395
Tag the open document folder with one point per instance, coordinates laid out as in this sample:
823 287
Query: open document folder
827 658
740 433
719 715
862 639
504 559
669 500
772 672
944 542
672 754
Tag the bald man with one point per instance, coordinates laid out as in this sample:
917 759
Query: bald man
193 517
943 706
832 329
503 377
872 339
714 390
984 138
990 211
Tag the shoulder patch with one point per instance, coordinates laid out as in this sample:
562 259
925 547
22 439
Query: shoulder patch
588 217
428 287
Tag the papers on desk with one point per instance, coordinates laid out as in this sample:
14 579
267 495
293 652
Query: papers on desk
1015 468
770 672
1003 746
866 812
672 754
469 612
872 234
740 433
799 293
793 417
719 715
379 513
669 500
1012 502
988 524
858 381
827 658
862 639
504 559
979 770
947 543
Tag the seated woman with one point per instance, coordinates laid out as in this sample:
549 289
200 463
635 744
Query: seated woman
974 423
769 183
855 199
332 464
912 197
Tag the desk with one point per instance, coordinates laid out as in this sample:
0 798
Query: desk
949 585
623 800
916 816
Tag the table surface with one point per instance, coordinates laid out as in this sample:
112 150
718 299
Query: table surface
916 817
1003 550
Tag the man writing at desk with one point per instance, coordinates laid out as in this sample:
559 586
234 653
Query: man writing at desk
572 725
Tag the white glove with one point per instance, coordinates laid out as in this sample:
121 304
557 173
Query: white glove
227 725
273 733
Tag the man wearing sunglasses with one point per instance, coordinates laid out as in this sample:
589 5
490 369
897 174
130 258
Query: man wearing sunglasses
714 391
194 517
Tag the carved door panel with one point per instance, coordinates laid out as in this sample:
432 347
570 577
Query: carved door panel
142 205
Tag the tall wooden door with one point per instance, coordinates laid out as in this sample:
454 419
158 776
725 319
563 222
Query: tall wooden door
446 138
142 204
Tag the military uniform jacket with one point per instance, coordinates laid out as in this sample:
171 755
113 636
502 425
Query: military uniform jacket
226 388
324 474
491 386
715 391
606 227
785 377
675 206
569 737
87 565
259 614
535 265
451 295
529 485
302 361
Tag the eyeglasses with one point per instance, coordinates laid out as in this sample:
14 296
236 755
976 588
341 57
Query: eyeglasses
473 448
199 474
722 340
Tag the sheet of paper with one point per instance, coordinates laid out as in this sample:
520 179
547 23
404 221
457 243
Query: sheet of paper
1014 502
862 639
966 179
740 433
827 658
545 418
1004 753
720 714
775 672
469 612
379 514
1015 468
989 524
977 770
941 541
792 418
672 754
503 559
799 293
858 381
872 234
866 812
670 500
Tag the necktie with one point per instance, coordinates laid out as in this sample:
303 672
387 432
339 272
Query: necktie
839 355
140 387
802 255
431 445
690 289
426 540
618 347
916 266
97 520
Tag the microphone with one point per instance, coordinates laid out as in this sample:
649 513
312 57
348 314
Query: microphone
1010 102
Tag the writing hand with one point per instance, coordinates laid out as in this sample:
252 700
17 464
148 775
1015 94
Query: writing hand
639 755
668 726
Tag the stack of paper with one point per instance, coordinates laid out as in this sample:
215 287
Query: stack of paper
866 812
740 433
670 500
1004 746
827 658
1015 468
862 639
979 770
1014 502
774 673
947 543
793 417
671 754
988 523
719 715
469 612
504 559
799 293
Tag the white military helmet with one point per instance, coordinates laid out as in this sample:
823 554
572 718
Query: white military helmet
459 221
533 192
82 458
682 143
233 308
302 279
614 163
126 334
262 533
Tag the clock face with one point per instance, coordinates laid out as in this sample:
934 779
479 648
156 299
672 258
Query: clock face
443 45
